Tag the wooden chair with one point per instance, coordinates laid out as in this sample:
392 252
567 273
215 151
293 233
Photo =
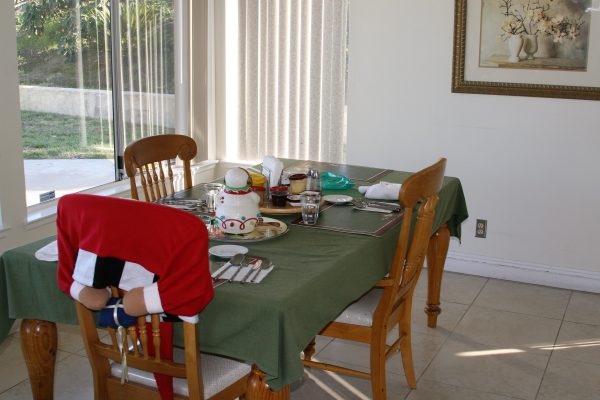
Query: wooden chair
369 319
213 378
147 155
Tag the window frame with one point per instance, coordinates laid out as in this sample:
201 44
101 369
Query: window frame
20 223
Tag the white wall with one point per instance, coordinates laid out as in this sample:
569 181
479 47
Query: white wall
527 165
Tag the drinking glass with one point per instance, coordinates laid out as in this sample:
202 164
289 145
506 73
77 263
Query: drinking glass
310 207
210 192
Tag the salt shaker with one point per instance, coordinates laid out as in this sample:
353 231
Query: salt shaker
313 180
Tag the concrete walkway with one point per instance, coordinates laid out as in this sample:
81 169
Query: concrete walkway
65 176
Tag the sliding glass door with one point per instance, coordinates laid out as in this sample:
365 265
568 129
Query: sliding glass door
94 76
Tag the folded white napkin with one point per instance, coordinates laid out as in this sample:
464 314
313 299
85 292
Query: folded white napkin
48 253
381 191
272 168
233 270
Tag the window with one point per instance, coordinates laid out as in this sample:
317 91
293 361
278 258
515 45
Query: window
94 76
286 79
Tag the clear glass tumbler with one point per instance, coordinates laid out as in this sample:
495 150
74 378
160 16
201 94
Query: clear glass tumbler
210 191
311 202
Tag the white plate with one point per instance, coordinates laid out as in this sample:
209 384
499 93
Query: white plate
227 250
337 198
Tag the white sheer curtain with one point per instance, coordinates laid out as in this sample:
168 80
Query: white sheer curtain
292 79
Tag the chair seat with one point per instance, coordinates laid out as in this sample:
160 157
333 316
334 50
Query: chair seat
361 311
217 374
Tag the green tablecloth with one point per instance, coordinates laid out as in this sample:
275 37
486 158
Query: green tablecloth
317 274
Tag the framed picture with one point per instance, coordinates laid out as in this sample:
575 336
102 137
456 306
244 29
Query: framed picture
541 48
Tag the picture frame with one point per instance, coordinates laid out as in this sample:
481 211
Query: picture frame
473 73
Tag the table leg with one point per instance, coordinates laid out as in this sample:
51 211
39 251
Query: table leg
258 389
39 341
436 258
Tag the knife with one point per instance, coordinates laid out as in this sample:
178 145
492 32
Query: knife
384 205
375 209
235 260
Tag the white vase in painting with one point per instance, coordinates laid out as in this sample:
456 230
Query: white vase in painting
546 47
515 44
530 46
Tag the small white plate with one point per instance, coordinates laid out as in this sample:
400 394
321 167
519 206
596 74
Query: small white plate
337 198
227 250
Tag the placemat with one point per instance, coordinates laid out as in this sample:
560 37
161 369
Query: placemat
345 218
354 172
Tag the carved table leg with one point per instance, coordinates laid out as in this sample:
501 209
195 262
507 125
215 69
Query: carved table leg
436 258
258 389
38 345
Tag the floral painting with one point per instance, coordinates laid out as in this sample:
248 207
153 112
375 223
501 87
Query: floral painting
534 34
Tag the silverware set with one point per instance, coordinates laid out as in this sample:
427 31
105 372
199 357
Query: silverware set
241 261
372 205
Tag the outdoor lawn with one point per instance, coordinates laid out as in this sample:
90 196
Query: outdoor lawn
55 136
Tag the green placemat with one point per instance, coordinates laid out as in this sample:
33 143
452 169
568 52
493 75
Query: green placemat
354 172
345 218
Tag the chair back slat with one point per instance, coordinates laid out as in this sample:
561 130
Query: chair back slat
161 177
133 339
156 335
170 173
156 180
148 183
419 242
143 336
147 155
143 182
418 193
113 337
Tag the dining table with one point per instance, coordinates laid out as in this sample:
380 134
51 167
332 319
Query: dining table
318 270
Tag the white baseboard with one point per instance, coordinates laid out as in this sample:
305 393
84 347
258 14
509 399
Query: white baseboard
587 281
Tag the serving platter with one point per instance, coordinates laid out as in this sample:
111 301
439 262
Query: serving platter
267 229
268 208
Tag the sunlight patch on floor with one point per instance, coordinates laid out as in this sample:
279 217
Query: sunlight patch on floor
570 345
494 352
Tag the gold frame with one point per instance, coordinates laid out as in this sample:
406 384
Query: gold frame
460 85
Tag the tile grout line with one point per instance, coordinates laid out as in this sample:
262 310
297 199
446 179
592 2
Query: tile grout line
518 313
537 393
13 386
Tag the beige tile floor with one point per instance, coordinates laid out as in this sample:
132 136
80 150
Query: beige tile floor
496 340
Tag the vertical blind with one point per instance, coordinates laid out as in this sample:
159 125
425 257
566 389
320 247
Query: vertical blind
292 79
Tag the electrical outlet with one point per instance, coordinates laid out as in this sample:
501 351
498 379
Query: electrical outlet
481 228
